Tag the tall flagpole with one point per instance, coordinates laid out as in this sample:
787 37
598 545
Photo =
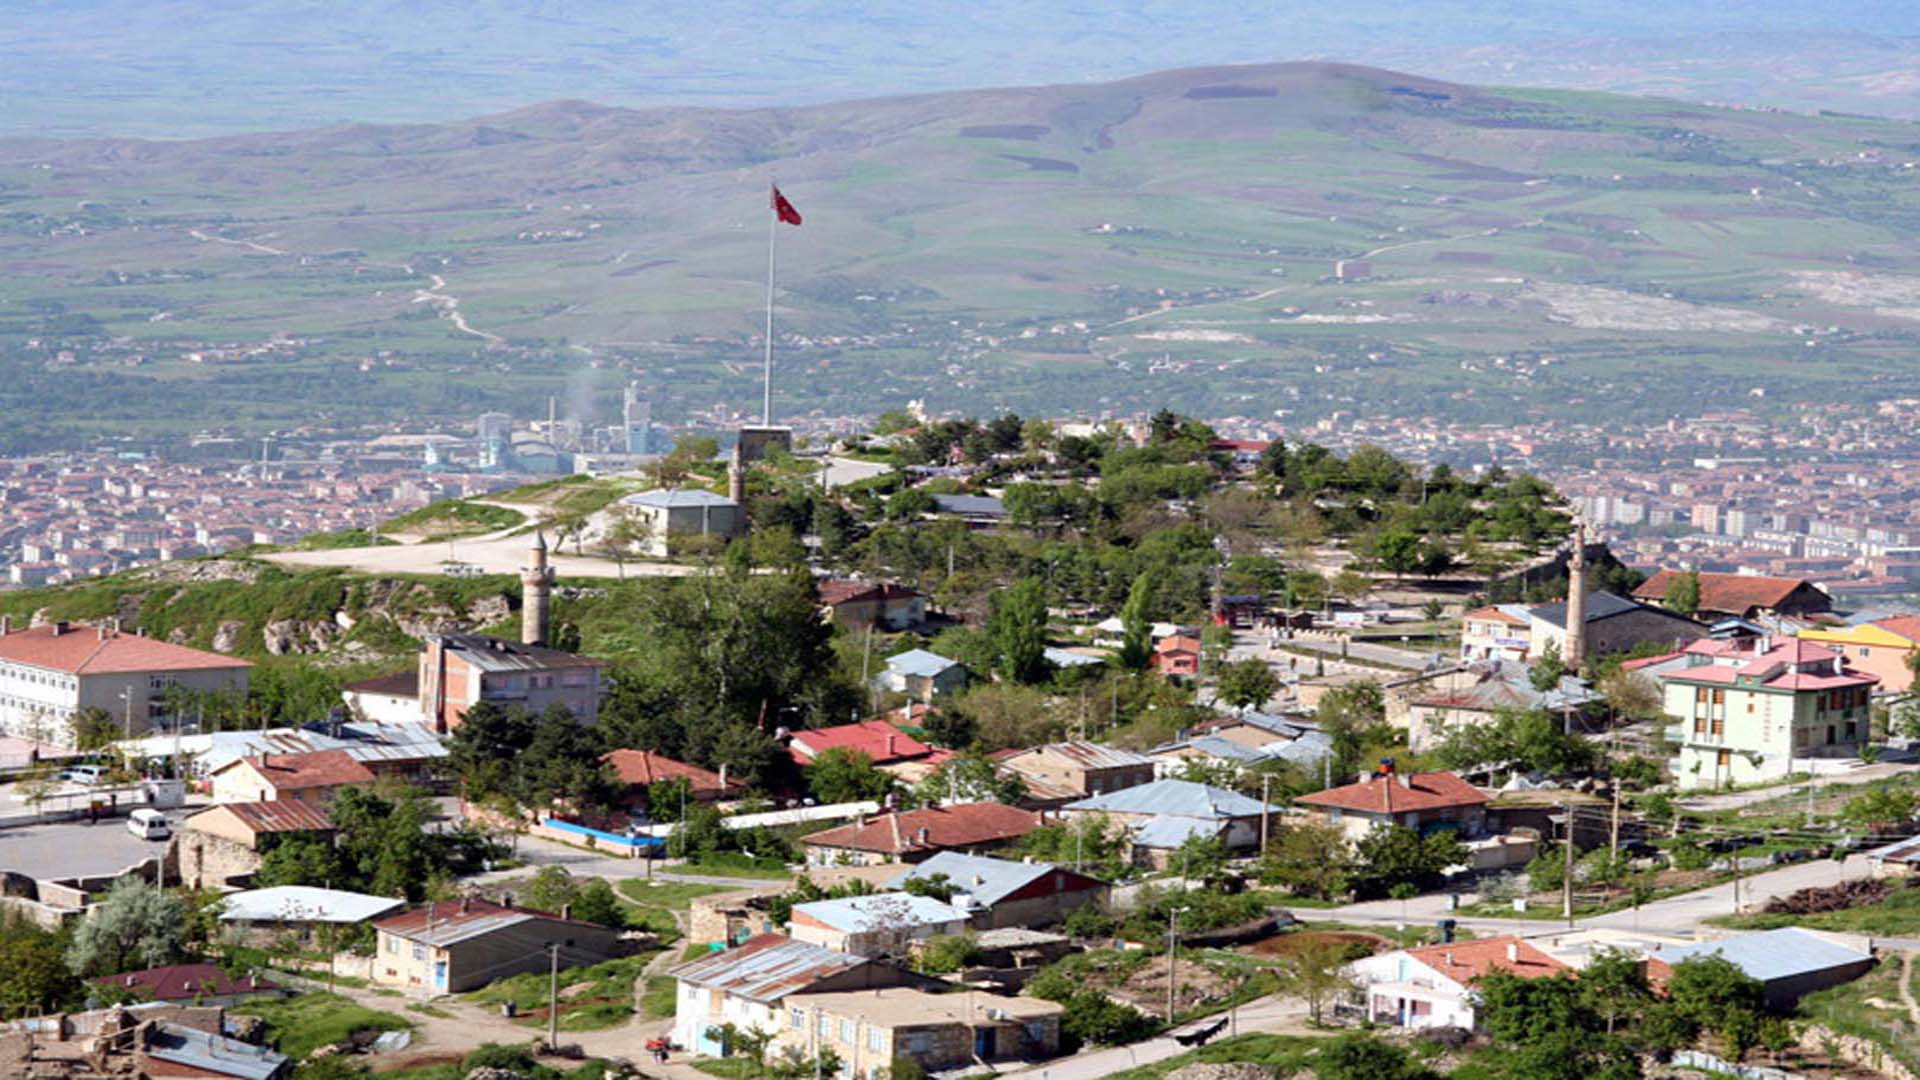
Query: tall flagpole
773 232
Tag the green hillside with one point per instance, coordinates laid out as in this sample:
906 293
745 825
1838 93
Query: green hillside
1171 239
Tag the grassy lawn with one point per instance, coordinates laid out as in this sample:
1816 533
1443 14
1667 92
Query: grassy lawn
297 1026
730 864
735 1068
604 998
660 999
1845 1009
1284 1055
651 905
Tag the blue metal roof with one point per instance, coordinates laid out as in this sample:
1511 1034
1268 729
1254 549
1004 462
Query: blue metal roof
1064 658
987 880
1172 832
979 505
855 914
669 500
1770 955
766 968
1180 798
920 662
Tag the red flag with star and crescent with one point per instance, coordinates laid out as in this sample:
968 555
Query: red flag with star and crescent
783 209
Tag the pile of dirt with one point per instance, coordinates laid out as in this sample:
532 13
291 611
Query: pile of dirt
1236 1070
1849 894
1288 944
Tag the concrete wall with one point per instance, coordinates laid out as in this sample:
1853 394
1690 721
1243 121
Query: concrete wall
210 862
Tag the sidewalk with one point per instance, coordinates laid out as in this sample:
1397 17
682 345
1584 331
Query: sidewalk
1268 1014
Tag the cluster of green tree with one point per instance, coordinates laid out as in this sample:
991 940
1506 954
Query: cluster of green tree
710 664
1516 740
1092 1016
1317 860
381 846
556 890
1601 1024
704 837
508 757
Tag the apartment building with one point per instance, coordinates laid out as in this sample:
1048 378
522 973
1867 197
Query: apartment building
52 671
1748 708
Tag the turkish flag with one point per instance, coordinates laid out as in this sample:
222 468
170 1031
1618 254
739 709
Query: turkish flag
783 209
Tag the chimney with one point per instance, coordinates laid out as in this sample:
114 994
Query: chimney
1448 955
1406 780
1513 952
923 834
566 911
101 631
61 626
723 778
6 625
466 904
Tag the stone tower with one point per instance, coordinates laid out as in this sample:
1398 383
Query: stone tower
1577 599
737 476
536 593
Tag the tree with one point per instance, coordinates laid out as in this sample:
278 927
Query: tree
1316 973
625 532
1348 714
1350 585
299 859
1683 593
1614 986
1546 672
1136 625
551 889
137 926
1093 1017
1310 858
1398 854
1710 993
35 977
596 903
1358 1056
1884 809
1631 695
970 778
947 954
668 797
1017 627
1398 551
1246 684
700 834
1527 740
840 775
93 728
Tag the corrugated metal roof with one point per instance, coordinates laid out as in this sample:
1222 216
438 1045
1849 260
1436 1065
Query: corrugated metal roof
1181 798
987 880
1090 755
766 968
274 816
857 914
1171 832
920 662
218 1054
303 903
1770 955
1901 851
676 500
498 654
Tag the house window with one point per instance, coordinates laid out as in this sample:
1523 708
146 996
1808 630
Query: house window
1719 725
1719 696
1724 759
846 1032
919 1044
826 1026
419 951
1699 725
873 1039
1699 695
799 1019
1865 652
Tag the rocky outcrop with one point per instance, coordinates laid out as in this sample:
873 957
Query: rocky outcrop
282 637
198 571
1236 1070
226 637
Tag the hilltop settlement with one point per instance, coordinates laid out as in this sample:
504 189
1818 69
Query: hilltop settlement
961 748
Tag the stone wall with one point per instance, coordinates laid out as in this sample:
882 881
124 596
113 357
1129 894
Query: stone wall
1855 1051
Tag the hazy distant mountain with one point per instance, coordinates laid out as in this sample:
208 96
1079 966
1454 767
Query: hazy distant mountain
170 68
1307 238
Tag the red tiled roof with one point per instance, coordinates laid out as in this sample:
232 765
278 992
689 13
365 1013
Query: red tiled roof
1388 795
275 816
642 767
184 982
877 739
1494 614
1906 626
1774 669
839 591
946 826
1734 593
443 916
314 769
87 650
1465 961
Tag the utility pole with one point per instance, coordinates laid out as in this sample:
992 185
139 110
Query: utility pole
1613 839
1809 790
1173 956
1266 781
1566 882
1734 857
553 995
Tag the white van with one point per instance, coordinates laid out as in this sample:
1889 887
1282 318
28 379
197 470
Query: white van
149 825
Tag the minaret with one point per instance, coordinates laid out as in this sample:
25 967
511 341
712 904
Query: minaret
536 594
1577 599
737 476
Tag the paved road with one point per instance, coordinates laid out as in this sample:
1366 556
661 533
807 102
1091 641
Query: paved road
1827 771
74 849
537 852
1672 915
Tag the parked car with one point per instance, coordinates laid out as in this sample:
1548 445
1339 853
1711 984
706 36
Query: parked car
84 774
149 825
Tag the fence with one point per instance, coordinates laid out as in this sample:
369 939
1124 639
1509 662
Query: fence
633 847
1705 1062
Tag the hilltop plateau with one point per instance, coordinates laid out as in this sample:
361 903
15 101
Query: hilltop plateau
1296 238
